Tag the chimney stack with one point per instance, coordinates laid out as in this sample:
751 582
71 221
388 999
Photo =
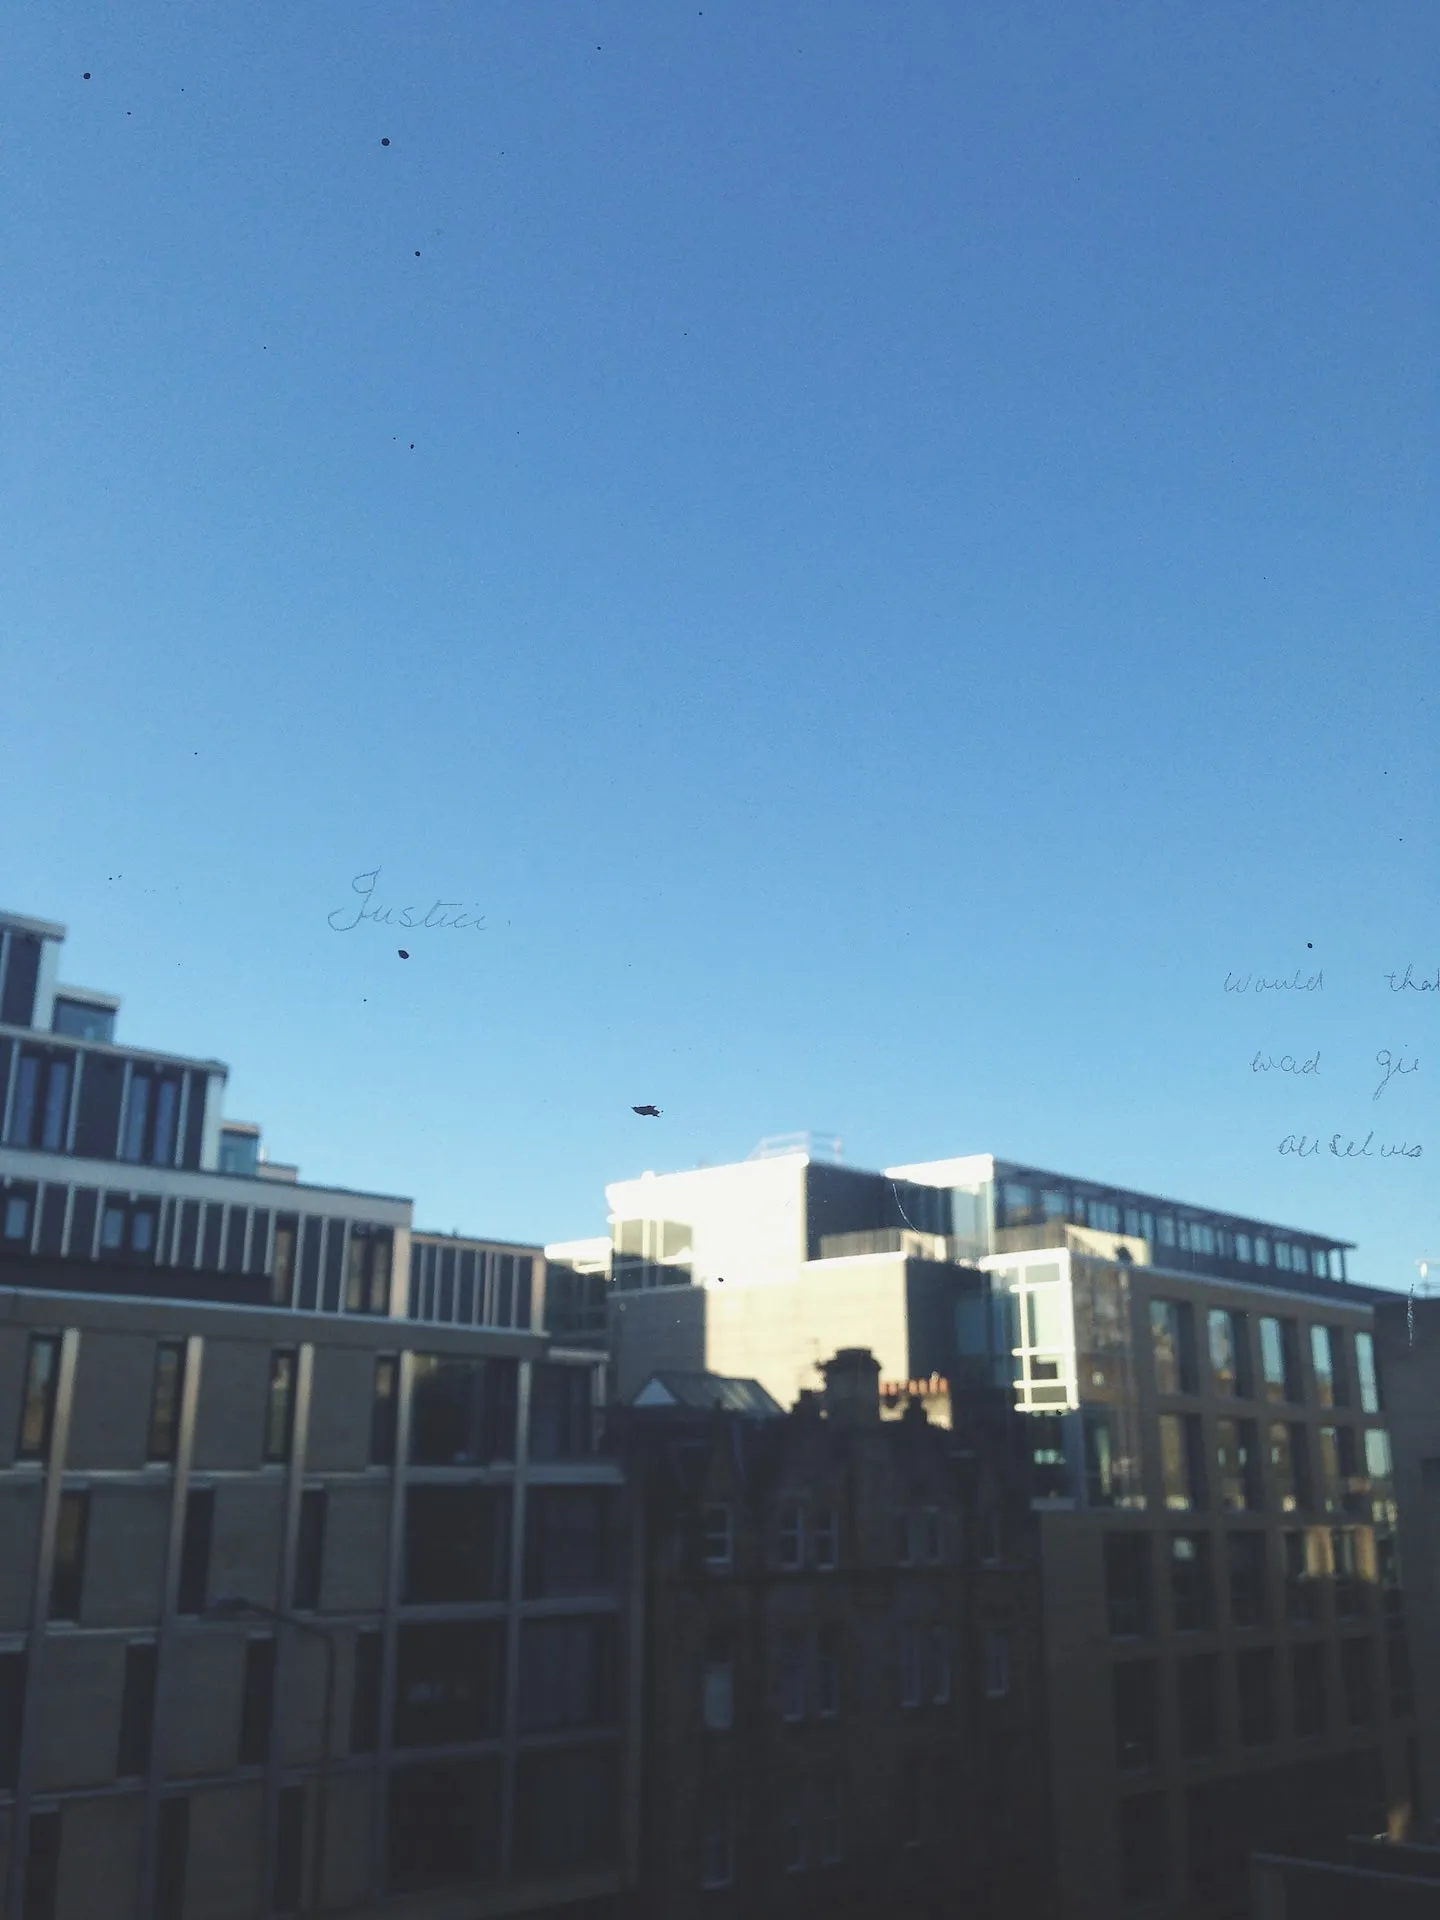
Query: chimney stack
852 1386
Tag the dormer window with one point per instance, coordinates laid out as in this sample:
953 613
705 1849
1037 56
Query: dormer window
83 1020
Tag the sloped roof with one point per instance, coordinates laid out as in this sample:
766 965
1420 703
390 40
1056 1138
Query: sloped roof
706 1390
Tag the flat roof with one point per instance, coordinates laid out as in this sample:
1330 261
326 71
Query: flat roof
22 923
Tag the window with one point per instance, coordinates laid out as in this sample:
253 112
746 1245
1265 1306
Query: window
717 1686
1191 1582
1323 1360
910 1681
567 1672
792 1676
1255 1685
1278 1359
365 1692
1282 1466
444 1823
792 1535
171 1859
310 1550
1349 1585
793 1855
827 1672
448 1681
930 1535
1127 1583
282 1274
717 1843
1365 1371
137 1711
457 1544
1144 1846
1302 1578
717 1544
1402 1690
1242 1248
17 1216
79 1020
828 1827
1238 1466
384 1408
68 1577
195 1550
367 1270
995 1663
568 1535
904 1540
1357 1678
1330 1492
824 1538
137 1114
939 1667
42 1866
562 1412
42 1102
165 1391
1247 1579
37 1407
1109 1472
280 1405
463 1412
1172 1342
1182 1469
1198 1689
565 1812
257 1701
1229 1352
290 1849
12 1717
1134 1696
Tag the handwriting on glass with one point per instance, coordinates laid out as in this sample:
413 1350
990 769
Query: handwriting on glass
1392 1068
365 883
1315 983
1302 1146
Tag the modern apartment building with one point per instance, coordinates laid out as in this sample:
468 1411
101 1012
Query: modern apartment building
312 1581
1212 1470
843 1707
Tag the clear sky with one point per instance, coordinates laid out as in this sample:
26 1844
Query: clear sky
884 547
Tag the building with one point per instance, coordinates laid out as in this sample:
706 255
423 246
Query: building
312 1581
1225 1655
843 1707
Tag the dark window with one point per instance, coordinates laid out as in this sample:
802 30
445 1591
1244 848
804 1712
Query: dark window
444 1824
330 1299
1307 1672
1322 1359
1302 1583
1191 1582
22 972
567 1672
1357 1675
235 1240
1172 1340
37 1408
280 1405
367 1270
1128 1583
171 1859
282 1266
165 1392
1238 1462
462 1412
794 1671
310 1549
195 1120
214 1224
68 1578
1402 1690
137 1710
290 1850
1218 1844
309 1292
365 1692
1247 1579
42 1866
565 1810
137 1116
457 1544
257 1701
827 1670
1300 1466
12 1715
52 1220
1255 1685
448 1682
40 1112
195 1550
167 1108
97 1126
384 1407
1197 1686
17 1215
568 1541
189 1233
1136 1716
561 1412
1144 1846
259 1241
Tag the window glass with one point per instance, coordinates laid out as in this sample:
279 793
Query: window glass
68 1576
37 1406
80 1021
137 1113
1198 1690
569 1541
1255 1688
792 1675
1246 1552
448 1682
1277 1342
717 1546
457 1545
910 1665
1307 1668
1221 1329
1191 1582
280 1405
1135 1696
165 1400
823 1537
567 1672
1365 1370
1127 1583
1282 1467
792 1535
717 1698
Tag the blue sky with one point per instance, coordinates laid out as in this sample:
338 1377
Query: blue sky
917 556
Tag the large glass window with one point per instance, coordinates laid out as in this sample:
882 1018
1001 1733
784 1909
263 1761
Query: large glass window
280 1405
165 1391
257 1700
444 1824
1136 1708
199 1531
1246 1554
448 1682
1278 1359
1282 1466
1182 1461
1307 1677
1237 1465
1144 1846
562 1413
1365 1369
37 1404
567 1672
1128 1589
68 1578
1331 1493
793 1664
717 1685
995 1663
568 1541
1255 1685
1197 1688
462 1412
1304 1571
565 1810
1357 1680
310 1549
79 1020
137 1711
457 1544
1173 1345
1229 1352
1322 1358
1192 1583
